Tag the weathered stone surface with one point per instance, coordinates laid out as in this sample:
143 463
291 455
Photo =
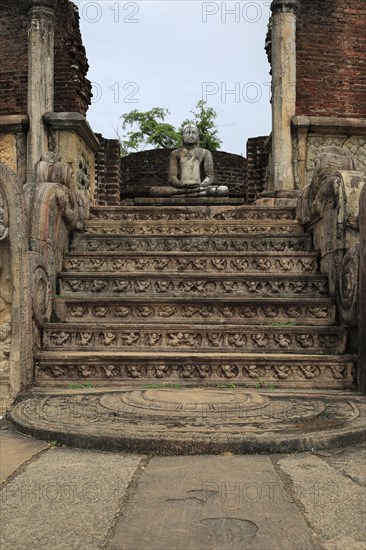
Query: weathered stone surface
233 501
192 212
249 311
248 262
362 296
16 450
15 293
283 62
244 369
329 207
191 227
200 243
315 134
8 150
350 462
338 498
157 298
211 502
209 337
220 286
65 499
193 420
73 139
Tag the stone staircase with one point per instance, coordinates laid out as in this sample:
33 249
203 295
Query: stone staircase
201 294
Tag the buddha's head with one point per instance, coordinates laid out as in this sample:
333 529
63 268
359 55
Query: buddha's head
190 134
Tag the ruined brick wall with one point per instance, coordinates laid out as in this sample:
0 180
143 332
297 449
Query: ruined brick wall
13 58
108 171
140 171
257 160
331 58
72 88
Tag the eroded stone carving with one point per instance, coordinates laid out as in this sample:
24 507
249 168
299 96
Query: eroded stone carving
41 289
252 286
329 208
326 371
329 161
5 287
349 285
72 201
195 213
354 147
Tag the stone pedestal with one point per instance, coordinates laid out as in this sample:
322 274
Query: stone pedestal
283 92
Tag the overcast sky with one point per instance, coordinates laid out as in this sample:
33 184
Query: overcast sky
171 54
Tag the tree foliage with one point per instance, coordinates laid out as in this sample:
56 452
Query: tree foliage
148 129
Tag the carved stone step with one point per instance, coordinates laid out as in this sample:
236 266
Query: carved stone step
186 213
248 262
255 339
192 228
267 311
259 370
198 243
150 285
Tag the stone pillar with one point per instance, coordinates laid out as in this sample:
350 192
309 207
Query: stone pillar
283 94
362 298
40 78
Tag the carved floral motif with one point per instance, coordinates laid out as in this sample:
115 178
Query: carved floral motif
329 372
205 287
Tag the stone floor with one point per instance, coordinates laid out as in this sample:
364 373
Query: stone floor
62 498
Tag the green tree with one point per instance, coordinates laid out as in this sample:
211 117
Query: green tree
144 129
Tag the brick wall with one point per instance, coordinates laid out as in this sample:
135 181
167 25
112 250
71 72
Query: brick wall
13 58
108 171
257 160
331 57
140 171
72 88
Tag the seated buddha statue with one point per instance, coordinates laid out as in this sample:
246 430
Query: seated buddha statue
186 165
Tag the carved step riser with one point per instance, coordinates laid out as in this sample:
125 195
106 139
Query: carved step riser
193 213
178 287
300 243
257 372
192 229
71 311
249 340
193 264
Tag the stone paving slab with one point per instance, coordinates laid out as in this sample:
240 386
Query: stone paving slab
349 462
75 499
187 420
209 502
65 500
16 450
335 506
